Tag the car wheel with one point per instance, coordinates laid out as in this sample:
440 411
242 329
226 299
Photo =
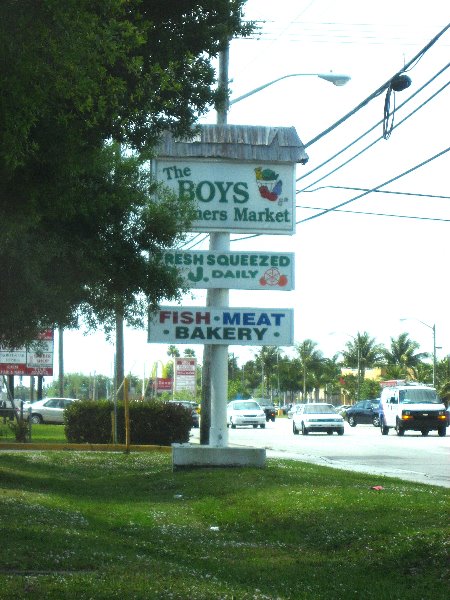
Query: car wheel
399 429
294 429
384 429
329 433
263 426
232 425
304 430
376 421
352 422
340 432
425 432
267 419
273 419
255 426
36 419
442 431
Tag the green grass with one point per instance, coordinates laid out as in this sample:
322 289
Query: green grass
42 434
79 525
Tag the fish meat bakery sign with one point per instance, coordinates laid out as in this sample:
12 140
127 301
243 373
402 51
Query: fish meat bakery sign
234 197
243 326
234 270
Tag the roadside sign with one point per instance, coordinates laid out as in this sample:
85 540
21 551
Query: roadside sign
233 196
36 359
224 326
234 270
185 374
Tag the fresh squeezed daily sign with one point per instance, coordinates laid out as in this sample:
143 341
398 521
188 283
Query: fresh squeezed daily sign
229 326
232 196
234 270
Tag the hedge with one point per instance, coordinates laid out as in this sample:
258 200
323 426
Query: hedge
88 421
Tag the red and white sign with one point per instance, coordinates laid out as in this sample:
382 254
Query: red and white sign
164 384
36 359
185 374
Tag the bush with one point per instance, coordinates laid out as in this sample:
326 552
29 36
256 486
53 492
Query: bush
150 422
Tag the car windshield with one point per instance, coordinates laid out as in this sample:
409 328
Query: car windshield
418 396
319 409
246 406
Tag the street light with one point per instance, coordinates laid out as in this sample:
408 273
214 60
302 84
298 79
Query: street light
333 78
433 329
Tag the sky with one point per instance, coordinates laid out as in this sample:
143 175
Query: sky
355 271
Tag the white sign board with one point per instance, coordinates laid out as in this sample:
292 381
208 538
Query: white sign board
185 374
236 326
234 270
233 196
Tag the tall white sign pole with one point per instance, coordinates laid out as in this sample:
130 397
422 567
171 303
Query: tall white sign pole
220 242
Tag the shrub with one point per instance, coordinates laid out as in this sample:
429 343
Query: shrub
150 422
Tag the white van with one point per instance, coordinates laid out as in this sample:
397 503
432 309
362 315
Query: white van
412 406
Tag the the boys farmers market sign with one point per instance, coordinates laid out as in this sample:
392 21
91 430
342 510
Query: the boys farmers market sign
234 270
243 326
234 197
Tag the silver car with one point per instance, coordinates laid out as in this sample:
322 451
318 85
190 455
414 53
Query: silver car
48 410
317 416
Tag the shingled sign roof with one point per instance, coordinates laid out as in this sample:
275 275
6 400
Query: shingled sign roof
237 142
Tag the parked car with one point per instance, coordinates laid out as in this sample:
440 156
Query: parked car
241 413
317 416
268 408
48 410
342 409
192 406
285 408
364 411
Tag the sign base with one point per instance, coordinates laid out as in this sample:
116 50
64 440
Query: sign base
186 456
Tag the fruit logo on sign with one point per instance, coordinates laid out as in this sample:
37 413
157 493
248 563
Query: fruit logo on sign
269 184
273 277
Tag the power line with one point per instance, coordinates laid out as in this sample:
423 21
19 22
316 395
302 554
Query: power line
374 142
358 189
379 91
376 214
425 162
381 121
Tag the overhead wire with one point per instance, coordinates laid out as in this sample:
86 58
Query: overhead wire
378 123
396 178
378 91
372 143
376 214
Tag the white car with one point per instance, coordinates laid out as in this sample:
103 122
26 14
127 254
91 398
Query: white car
317 416
241 413
48 410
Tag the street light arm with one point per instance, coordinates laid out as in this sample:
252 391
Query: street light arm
331 77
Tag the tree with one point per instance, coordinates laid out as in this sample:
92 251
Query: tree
362 353
79 234
403 356
310 360
266 361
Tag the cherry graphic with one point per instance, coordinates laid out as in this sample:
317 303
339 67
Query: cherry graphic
262 281
282 281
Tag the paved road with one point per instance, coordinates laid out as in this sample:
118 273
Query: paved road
362 448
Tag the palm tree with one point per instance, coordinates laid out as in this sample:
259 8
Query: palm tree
403 355
310 360
266 360
362 353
